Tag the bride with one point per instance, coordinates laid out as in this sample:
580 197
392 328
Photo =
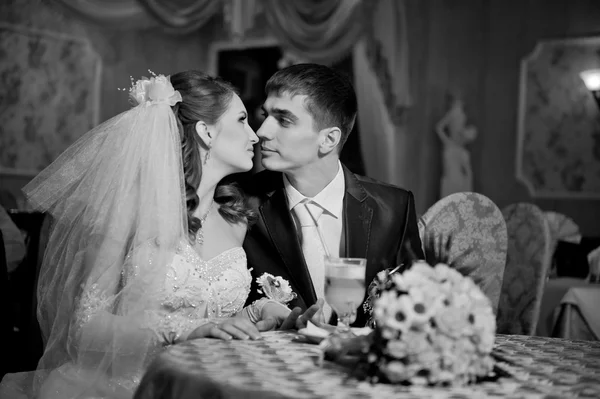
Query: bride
146 248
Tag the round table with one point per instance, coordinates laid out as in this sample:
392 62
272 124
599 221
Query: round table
283 364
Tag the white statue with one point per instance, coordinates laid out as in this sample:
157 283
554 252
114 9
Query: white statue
455 134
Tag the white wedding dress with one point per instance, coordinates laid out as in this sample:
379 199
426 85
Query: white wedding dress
194 291
117 283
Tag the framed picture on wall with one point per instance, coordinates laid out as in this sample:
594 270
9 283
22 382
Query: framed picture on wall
52 88
558 133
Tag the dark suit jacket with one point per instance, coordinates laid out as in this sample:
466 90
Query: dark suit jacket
378 219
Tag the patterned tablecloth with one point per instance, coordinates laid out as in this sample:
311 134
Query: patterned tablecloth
284 364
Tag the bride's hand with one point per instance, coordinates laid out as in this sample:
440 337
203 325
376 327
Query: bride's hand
291 320
298 320
234 327
273 314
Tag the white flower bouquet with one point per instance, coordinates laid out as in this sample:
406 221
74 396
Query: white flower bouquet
433 326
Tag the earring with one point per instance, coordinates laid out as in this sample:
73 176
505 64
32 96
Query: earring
207 157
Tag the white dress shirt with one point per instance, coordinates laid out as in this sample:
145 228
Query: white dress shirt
331 200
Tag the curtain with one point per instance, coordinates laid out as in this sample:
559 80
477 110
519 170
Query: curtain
381 74
175 16
323 31
319 31
182 16
375 126
126 14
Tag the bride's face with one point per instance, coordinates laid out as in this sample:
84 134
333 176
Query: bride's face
232 147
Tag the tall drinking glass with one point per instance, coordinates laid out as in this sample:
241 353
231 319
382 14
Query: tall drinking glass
345 287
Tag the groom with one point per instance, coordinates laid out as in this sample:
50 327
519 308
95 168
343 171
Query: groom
308 203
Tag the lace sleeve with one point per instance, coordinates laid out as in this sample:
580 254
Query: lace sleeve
156 326
118 309
92 301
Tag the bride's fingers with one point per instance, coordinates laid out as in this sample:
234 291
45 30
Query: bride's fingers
217 332
248 328
209 330
233 331
269 324
241 329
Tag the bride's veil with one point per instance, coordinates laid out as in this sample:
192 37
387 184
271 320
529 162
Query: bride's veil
116 198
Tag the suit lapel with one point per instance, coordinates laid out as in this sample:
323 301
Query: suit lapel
358 214
279 224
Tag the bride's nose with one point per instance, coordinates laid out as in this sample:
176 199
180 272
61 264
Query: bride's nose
253 136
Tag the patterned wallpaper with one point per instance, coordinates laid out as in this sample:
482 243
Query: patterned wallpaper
558 148
50 95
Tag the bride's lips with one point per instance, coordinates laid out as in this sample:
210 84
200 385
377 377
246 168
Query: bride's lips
264 149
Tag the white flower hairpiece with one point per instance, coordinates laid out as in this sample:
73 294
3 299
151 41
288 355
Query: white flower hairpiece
275 288
155 90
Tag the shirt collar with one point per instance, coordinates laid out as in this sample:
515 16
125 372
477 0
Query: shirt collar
330 198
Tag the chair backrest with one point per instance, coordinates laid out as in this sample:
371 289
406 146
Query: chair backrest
24 279
6 320
527 267
562 228
478 231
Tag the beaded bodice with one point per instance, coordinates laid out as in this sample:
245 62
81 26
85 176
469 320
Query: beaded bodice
221 284
196 290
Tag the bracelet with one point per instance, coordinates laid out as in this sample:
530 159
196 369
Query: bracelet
255 309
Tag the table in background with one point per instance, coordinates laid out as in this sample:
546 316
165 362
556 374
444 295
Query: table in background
554 291
579 317
283 365
569 310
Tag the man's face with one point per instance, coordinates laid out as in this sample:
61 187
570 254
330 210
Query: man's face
288 139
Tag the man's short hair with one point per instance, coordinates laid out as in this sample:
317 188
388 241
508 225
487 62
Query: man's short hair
331 99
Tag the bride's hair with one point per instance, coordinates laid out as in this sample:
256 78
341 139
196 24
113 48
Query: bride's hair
205 98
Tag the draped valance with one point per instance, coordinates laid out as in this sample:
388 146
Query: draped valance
323 31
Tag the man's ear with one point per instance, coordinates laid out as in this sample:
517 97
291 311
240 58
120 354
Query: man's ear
203 131
330 139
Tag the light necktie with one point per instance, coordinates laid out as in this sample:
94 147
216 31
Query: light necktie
308 214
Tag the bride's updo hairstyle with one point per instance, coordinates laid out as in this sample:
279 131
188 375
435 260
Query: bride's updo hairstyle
206 99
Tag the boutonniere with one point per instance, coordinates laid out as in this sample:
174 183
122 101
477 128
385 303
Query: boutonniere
275 288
